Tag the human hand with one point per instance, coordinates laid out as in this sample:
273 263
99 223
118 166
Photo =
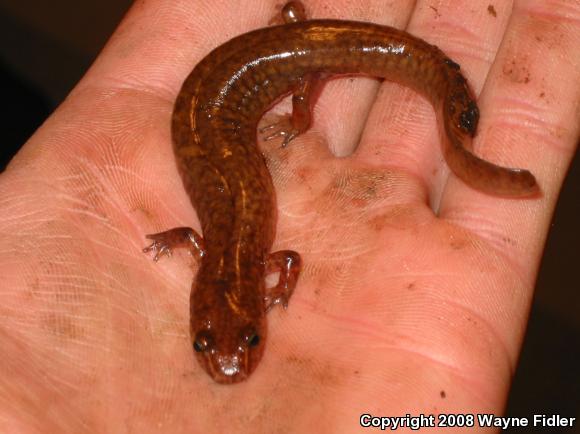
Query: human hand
399 309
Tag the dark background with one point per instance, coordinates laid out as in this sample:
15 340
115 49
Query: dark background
45 47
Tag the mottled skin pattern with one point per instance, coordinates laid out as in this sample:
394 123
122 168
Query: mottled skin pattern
214 135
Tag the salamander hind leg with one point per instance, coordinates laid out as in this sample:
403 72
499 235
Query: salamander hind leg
291 12
288 263
290 126
165 242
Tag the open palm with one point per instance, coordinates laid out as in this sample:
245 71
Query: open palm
415 288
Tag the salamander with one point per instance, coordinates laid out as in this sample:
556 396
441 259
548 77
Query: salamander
214 130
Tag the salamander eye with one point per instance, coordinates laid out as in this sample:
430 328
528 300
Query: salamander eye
251 337
202 341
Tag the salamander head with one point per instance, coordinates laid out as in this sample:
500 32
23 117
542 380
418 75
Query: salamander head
228 338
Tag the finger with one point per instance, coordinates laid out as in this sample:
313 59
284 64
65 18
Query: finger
402 128
158 42
343 107
122 107
530 107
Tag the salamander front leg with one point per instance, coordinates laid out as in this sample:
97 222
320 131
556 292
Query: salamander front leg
288 263
164 242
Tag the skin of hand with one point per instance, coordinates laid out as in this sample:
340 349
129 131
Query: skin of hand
415 289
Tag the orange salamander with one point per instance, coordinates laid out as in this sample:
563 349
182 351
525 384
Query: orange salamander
214 136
